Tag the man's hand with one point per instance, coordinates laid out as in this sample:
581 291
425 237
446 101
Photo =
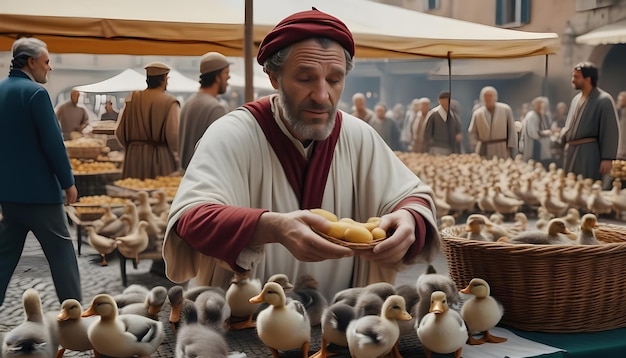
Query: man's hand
71 195
605 166
393 249
294 231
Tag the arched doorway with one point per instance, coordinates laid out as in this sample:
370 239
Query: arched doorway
613 72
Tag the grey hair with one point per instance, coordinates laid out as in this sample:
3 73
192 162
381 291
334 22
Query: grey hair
276 62
25 48
488 89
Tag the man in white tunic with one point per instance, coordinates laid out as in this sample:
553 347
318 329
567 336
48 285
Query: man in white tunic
241 206
492 127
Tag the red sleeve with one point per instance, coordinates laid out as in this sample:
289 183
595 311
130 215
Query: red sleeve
421 229
219 231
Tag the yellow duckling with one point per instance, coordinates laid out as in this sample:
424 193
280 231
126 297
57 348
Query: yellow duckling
282 326
442 330
36 336
376 336
72 328
122 335
481 312
474 229
238 297
587 235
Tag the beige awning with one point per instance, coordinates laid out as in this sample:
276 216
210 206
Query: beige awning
614 33
193 27
488 69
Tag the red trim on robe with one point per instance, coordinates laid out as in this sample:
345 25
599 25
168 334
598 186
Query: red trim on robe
420 226
220 231
309 189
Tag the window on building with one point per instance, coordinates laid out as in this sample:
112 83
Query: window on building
512 13
432 4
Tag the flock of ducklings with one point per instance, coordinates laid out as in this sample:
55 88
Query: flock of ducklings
366 321
467 183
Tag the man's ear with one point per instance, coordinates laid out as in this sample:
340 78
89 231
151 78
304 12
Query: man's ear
31 63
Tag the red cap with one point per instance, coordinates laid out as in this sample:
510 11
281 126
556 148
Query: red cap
301 26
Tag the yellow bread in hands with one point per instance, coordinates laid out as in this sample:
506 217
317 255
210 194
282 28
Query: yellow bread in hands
325 214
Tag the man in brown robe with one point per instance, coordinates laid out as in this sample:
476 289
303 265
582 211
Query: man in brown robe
148 128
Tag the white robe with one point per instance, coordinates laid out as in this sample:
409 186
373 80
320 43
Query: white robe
499 129
234 164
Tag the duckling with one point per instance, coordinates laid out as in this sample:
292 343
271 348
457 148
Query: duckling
238 295
119 227
213 310
481 312
348 296
161 205
408 291
587 236
134 293
544 218
36 337
179 306
429 282
282 326
442 330
520 225
194 292
447 221
282 280
597 203
134 243
474 229
382 289
485 201
505 205
376 336
539 237
122 335
552 204
151 306
335 321
497 218
102 244
494 230
306 291
196 340
368 304
72 328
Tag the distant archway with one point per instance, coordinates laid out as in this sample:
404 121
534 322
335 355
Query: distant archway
611 59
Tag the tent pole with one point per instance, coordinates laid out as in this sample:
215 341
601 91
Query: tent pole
544 87
449 73
247 51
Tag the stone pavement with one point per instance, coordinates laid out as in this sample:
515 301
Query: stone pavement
33 272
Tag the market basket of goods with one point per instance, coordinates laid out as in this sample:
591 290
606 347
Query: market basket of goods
350 233
548 288
85 147
618 170
90 208
129 187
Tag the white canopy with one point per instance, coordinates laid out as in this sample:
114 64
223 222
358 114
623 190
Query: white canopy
131 80
193 27
487 68
614 33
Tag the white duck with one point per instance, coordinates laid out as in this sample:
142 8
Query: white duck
124 335
481 312
196 340
282 326
102 244
36 337
442 330
161 205
238 296
72 328
133 244
376 336
587 236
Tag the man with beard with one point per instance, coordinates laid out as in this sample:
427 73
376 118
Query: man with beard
591 131
242 204
148 128
203 108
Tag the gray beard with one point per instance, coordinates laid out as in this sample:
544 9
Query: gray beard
302 130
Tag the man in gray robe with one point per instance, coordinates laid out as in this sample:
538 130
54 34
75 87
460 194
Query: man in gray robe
591 131
492 127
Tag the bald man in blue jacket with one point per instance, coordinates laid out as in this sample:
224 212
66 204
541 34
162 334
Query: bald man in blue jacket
36 172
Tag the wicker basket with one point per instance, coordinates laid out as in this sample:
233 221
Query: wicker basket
349 244
548 288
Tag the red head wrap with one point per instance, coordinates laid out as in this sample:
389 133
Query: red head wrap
304 25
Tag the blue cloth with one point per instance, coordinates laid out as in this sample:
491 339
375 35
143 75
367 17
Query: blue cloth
33 159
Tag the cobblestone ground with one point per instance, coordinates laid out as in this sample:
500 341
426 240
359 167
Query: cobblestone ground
33 272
